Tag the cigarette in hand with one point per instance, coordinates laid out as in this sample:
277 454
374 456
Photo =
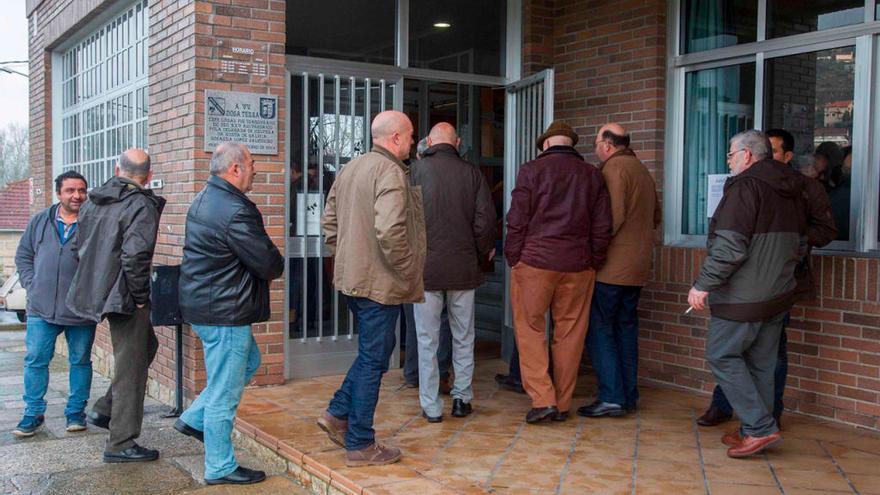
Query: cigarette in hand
690 308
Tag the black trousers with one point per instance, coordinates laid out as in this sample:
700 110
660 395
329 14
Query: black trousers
134 347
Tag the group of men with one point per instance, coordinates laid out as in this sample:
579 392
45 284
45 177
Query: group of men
85 261
579 243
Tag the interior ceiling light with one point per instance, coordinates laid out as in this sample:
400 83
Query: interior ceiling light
443 25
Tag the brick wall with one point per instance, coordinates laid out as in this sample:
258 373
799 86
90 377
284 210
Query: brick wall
610 65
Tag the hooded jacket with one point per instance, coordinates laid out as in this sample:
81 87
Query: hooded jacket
459 218
116 239
46 267
228 259
757 237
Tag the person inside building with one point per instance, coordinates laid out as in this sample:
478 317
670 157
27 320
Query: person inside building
444 348
820 231
460 226
46 262
374 227
757 238
612 341
228 263
558 231
116 240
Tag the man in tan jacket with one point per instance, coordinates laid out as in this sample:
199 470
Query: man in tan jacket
374 226
614 325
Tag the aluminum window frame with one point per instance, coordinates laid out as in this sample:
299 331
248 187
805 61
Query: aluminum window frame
108 90
865 37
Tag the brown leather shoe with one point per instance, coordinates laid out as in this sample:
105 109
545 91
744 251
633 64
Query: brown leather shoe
713 417
752 445
374 455
334 427
732 439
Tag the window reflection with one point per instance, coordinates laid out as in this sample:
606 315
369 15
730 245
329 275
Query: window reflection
811 95
787 17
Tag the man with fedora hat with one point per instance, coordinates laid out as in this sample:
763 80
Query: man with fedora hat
558 231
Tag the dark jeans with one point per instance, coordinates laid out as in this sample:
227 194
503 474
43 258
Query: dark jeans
357 397
134 347
444 351
613 342
780 374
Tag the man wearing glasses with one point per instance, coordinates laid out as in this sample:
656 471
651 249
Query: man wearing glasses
756 239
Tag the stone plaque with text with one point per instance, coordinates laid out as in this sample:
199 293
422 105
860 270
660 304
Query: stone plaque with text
247 118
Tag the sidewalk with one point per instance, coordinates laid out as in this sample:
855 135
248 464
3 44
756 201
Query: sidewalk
56 462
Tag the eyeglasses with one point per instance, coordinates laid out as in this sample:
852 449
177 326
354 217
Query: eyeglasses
730 154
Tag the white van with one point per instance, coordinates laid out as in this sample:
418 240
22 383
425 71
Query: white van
13 297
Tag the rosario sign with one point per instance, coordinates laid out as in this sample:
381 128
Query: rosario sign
247 118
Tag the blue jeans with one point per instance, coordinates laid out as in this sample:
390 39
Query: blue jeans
40 344
613 342
231 359
357 397
780 375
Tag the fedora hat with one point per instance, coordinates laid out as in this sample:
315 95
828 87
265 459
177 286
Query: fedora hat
557 128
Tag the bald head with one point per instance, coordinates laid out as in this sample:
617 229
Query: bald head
134 164
610 139
443 133
393 130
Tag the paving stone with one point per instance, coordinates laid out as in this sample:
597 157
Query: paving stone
137 478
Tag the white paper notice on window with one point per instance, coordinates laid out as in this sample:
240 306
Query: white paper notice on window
715 191
308 206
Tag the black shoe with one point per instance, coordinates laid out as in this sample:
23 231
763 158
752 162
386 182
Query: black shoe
560 416
432 419
135 453
241 476
507 383
461 408
538 414
188 430
98 419
599 408
713 417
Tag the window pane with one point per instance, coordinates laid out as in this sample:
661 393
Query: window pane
361 31
718 104
811 96
787 17
710 24
458 35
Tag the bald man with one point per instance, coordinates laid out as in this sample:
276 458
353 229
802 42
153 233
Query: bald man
117 235
612 342
373 225
460 225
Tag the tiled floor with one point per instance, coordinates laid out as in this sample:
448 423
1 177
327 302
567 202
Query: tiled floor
658 450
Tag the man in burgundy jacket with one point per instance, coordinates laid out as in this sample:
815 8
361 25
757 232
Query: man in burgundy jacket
558 231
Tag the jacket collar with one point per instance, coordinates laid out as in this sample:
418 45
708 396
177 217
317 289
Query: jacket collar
623 152
441 148
565 150
221 183
387 154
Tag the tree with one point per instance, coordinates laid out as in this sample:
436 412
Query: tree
13 153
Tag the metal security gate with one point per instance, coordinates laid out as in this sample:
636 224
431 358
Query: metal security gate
329 125
528 112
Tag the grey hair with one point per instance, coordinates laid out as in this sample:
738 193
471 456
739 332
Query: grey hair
422 146
754 141
134 168
225 154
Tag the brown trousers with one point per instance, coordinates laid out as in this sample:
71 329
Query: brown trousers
568 295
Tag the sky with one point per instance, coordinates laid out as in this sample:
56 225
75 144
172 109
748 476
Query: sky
13 46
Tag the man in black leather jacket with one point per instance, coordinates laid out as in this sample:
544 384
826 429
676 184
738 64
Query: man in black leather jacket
117 236
228 262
